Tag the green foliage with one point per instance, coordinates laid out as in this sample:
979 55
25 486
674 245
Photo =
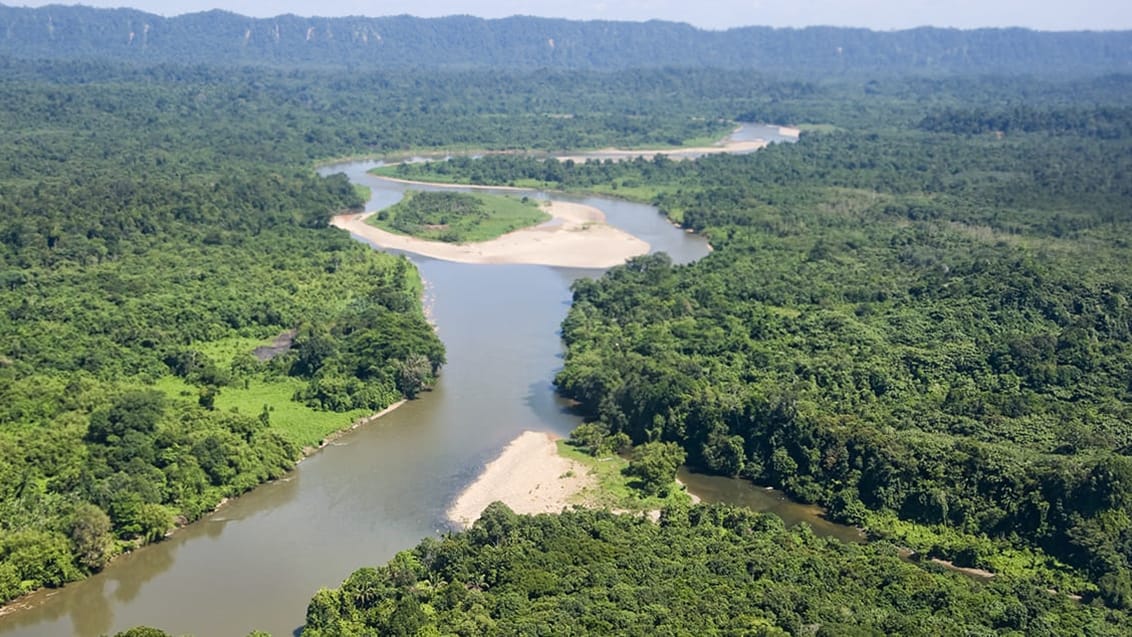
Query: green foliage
922 323
90 535
703 570
137 284
300 424
36 558
455 217
903 316
612 486
161 224
133 414
596 440
929 325
654 464
142 631
1103 123
413 375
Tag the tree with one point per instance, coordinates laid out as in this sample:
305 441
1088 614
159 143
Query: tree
91 537
206 396
655 465
155 520
322 612
724 454
133 411
314 346
142 631
413 375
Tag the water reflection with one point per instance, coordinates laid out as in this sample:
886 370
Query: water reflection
93 615
89 605
151 563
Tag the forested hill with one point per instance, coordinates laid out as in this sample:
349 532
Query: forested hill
58 32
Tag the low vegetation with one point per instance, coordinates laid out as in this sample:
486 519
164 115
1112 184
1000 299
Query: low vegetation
455 217
617 481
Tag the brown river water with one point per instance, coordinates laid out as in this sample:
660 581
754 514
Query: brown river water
255 563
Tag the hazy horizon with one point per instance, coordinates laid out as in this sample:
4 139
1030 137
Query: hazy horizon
1098 15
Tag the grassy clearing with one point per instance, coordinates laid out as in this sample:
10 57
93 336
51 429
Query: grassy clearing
977 551
298 423
225 350
630 190
612 488
626 189
455 217
391 171
443 150
365 192
702 141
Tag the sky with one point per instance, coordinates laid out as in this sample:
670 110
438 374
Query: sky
1051 15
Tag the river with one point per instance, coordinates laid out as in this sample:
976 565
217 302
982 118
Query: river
255 563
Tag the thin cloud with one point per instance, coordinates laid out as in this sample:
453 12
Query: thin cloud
711 14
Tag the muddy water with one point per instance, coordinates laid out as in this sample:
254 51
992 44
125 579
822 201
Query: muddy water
743 493
255 563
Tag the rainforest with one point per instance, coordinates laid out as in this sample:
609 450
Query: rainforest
916 317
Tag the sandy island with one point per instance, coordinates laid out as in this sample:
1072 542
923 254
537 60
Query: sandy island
576 237
618 154
727 145
529 476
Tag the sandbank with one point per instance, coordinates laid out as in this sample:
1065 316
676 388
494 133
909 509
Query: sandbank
723 146
576 237
618 154
440 184
529 476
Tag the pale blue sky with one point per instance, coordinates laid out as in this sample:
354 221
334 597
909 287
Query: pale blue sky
712 14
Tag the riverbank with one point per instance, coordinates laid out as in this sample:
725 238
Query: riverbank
37 597
540 473
306 452
360 422
576 237
529 476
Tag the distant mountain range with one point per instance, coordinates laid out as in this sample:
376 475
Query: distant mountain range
218 37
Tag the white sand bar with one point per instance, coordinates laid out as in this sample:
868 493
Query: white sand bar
529 476
617 154
576 237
